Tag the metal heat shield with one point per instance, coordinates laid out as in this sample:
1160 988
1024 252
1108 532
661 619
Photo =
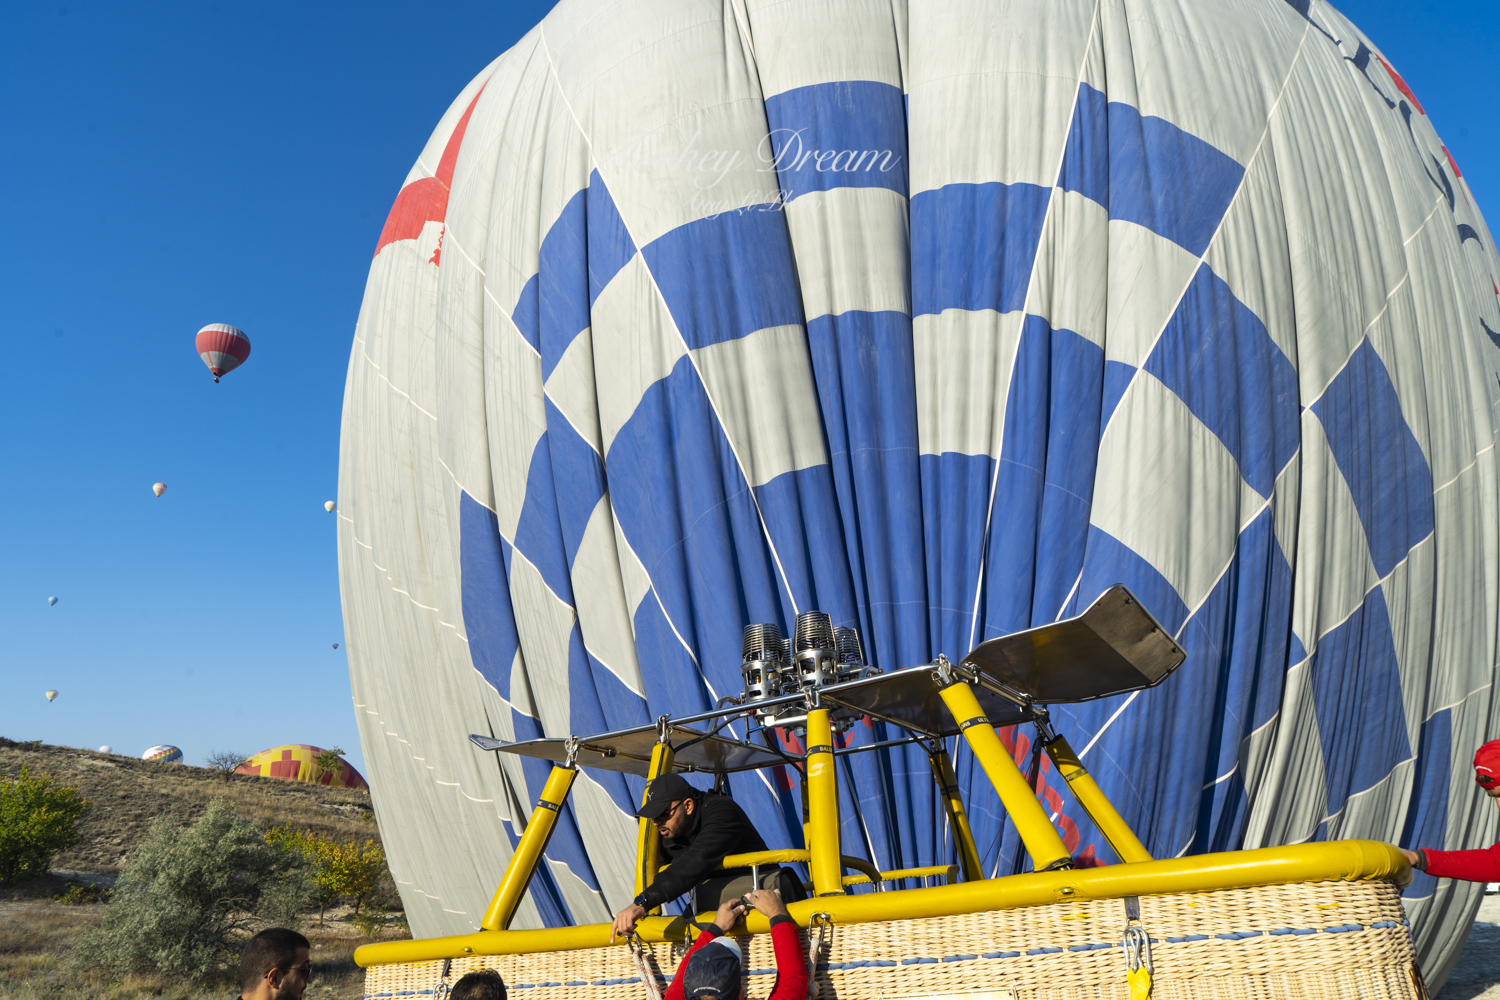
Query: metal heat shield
630 752
1112 648
909 699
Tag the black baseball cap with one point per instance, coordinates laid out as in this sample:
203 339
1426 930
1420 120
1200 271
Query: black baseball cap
662 792
714 968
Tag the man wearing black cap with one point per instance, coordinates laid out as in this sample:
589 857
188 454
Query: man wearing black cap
712 968
697 830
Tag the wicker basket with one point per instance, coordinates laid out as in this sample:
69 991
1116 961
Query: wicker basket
1315 940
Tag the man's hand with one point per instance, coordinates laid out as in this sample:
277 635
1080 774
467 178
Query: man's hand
625 921
1411 856
728 915
768 902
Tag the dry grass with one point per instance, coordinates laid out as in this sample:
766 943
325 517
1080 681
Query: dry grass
128 793
37 933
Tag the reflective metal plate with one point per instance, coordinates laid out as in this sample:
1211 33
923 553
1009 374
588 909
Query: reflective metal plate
630 752
909 698
1113 647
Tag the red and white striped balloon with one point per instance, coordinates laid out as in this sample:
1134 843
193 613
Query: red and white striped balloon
223 348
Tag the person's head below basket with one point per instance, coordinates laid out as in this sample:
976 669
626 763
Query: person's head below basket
713 968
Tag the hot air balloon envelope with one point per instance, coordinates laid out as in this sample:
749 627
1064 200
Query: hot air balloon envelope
106 748
328 505
163 753
298 762
51 695
51 601
942 323
222 347
158 488
335 645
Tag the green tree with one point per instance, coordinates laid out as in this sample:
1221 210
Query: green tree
327 762
38 819
186 893
339 870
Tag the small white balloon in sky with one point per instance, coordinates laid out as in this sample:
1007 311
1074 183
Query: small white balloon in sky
328 505
51 601
51 695
158 488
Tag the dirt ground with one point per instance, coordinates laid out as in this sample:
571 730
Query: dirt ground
1477 974
128 793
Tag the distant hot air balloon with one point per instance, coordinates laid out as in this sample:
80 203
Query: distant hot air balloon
51 601
222 347
328 505
335 645
106 748
299 762
51 695
158 488
163 753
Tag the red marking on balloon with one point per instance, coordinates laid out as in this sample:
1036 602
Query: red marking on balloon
1456 172
425 199
1401 86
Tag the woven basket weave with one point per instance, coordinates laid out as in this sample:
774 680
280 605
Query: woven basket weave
1307 940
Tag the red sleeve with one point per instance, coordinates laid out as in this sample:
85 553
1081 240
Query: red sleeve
674 991
1476 866
791 964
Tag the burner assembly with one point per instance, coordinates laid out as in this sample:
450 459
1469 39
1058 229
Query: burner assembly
822 654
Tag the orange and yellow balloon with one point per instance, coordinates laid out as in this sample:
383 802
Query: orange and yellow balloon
297 762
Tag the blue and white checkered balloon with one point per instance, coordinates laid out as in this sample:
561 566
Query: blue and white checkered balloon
940 320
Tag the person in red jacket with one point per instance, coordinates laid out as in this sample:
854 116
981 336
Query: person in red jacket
1475 866
711 969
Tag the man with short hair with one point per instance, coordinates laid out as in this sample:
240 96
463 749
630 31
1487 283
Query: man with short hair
481 984
697 830
712 968
1474 866
275 965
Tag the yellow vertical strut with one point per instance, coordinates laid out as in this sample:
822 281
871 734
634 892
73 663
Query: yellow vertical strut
528 852
958 820
823 806
647 840
1089 795
1037 832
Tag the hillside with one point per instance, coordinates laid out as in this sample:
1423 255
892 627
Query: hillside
128 793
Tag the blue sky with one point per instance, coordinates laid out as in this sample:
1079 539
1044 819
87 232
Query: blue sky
170 165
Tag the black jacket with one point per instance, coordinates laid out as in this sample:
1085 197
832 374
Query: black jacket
719 827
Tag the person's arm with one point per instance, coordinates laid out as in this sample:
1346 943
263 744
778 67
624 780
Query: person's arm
1475 866
791 964
718 832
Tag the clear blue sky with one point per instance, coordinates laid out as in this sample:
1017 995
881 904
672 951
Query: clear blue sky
172 164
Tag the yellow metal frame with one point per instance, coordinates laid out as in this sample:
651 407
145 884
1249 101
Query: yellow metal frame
523 860
1121 837
1340 860
958 820
647 840
1036 830
1050 882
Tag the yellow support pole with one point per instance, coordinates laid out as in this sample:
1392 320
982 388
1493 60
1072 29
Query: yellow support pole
1089 795
1037 832
528 852
823 806
958 820
647 840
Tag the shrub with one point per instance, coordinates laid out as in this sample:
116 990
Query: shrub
327 761
38 819
79 893
350 869
185 893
